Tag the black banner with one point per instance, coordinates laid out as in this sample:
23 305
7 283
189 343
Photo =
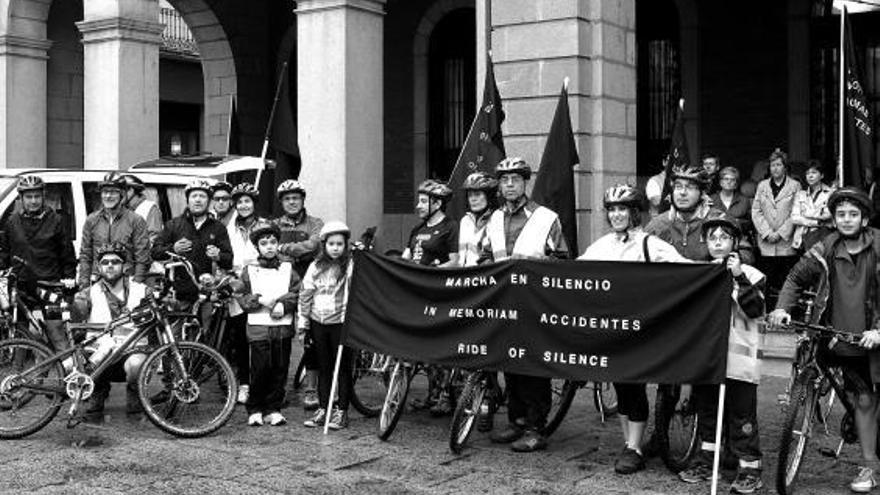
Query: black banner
584 320
858 154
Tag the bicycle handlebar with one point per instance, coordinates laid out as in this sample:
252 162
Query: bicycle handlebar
826 330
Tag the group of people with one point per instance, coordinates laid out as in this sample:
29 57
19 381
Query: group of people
293 275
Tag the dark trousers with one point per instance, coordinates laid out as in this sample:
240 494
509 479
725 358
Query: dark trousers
270 360
529 400
740 426
632 401
776 269
236 329
327 339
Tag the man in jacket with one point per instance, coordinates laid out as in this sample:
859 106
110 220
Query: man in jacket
39 236
114 223
843 269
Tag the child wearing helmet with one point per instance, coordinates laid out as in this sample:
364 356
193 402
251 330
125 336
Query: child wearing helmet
321 312
722 233
268 292
434 241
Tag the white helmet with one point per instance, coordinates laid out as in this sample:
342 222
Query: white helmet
334 227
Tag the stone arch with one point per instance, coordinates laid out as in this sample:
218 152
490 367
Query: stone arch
421 42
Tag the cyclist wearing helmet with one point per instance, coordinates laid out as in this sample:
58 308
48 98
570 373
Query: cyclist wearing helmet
221 203
113 294
39 236
481 196
628 242
299 244
145 208
300 232
113 222
843 270
521 228
434 241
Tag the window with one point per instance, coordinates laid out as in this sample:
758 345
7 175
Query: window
59 197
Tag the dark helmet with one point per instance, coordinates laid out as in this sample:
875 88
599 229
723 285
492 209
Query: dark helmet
623 194
853 195
263 228
435 189
692 173
245 189
116 248
221 186
480 181
134 182
30 183
513 165
722 220
113 179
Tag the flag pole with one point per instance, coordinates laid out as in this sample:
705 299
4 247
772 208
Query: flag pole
841 56
229 123
719 423
272 111
333 387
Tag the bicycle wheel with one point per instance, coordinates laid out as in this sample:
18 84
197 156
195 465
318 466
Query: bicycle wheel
395 400
605 399
173 393
369 383
676 430
563 394
466 411
796 431
24 411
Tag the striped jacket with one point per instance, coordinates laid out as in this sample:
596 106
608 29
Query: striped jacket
324 296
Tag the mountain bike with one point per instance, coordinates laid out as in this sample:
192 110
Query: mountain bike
17 320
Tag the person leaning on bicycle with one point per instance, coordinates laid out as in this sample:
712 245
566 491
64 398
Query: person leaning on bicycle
39 236
843 269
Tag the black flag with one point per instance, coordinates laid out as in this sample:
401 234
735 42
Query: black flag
857 151
679 155
484 146
554 187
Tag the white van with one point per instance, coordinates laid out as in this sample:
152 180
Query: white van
74 193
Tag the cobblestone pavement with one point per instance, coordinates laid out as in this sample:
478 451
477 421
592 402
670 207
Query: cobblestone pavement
132 456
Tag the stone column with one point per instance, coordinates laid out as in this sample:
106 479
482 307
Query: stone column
536 44
121 82
340 106
23 101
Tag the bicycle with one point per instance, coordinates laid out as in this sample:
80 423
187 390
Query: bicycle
169 382
53 295
815 380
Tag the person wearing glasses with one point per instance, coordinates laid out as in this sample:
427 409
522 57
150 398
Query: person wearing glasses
221 203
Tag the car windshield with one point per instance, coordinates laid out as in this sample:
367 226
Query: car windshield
7 182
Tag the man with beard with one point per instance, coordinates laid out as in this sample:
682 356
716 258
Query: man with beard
434 241
843 269
114 223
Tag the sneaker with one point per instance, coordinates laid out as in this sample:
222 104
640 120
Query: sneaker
699 471
255 419
338 419
629 461
864 482
508 435
316 420
529 442
276 419
443 407
748 480
244 391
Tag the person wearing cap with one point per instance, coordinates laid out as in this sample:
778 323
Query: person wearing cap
722 233
434 241
107 299
268 293
842 269
521 228
627 241
300 243
136 201
196 236
221 203
771 215
39 236
113 222
322 303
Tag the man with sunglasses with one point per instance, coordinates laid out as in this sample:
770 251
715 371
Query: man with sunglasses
221 203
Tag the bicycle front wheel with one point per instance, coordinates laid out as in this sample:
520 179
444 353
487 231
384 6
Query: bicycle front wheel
395 400
173 391
796 431
369 383
563 395
469 403
23 409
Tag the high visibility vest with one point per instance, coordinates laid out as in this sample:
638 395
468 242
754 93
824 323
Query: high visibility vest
532 239
272 283
143 209
100 312
470 239
745 339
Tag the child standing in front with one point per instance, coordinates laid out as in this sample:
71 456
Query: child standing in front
722 234
268 293
321 312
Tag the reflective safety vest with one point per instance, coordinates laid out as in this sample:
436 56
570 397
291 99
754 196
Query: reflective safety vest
532 239
470 240
143 209
100 312
272 283
745 338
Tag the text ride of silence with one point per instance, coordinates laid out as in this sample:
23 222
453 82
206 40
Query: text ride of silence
591 360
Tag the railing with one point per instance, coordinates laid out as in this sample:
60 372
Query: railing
177 37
